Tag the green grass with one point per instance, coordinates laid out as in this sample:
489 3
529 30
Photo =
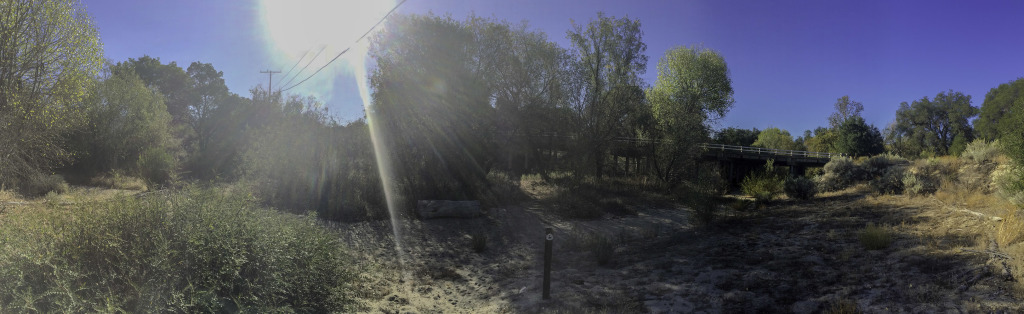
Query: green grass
197 250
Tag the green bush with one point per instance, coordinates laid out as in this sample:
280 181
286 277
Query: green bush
764 185
192 251
890 182
156 166
39 184
800 188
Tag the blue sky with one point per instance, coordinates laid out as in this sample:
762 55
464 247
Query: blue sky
789 60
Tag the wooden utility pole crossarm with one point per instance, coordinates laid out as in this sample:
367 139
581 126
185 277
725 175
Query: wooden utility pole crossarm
270 85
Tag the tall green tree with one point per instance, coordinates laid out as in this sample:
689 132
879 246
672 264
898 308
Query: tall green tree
608 59
736 136
525 75
693 91
823 140
127 122
996 115
431 104
49 54
845 109
775 138
934 127
169 79
855 137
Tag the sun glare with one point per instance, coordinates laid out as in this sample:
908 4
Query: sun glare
298 29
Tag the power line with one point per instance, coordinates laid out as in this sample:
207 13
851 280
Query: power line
305 66
304 54
349 47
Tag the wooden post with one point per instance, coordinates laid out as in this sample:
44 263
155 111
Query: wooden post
548 239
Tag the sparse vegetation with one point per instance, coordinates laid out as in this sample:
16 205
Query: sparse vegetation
478 242
874 237
843 306
601 248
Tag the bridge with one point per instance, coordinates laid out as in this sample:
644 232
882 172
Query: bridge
737 161
632 155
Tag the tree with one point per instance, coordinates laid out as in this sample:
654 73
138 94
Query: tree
845 109
693 91
431 107
608 59
995 117
127 122
936 127
855 137
736 136
524 73
171 80
49 54
824 140
775 138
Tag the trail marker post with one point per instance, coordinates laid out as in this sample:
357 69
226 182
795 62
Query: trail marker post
549 237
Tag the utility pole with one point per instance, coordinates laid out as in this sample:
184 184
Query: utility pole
270 86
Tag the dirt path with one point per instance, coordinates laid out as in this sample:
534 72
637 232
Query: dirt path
792 257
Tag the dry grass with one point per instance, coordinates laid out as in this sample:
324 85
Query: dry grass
844 306
876 237
1011 229
117 180
973 199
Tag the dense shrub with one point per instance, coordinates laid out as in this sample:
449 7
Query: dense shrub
800 188
764 185
40 184
194 251
978 161
890 182
877 166
980 151
305 162
840 173
925 176
1008 182
157 166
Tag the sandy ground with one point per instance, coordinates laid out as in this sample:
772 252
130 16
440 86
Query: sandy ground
801 257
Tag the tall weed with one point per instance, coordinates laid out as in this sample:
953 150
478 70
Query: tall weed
193 251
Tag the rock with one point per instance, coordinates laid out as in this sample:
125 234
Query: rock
429 209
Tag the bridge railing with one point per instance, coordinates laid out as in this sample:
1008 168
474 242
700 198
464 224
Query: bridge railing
768 151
